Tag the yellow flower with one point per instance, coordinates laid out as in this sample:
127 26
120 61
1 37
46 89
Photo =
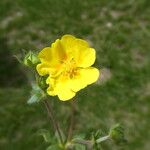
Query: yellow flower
67 62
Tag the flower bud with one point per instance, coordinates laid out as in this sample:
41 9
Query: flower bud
116 133
31 59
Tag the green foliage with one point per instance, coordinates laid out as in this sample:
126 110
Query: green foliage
96 135
41 81
31 59
52 140
54 147
48 138
117 134
37 94
79 147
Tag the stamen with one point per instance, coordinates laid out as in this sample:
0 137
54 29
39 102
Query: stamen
69 68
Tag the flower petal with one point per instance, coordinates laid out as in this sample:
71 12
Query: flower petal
51 58
60 87
51 91
66 94
58 51
45 54
86 76
63 89
78 49
42 69
86 58
66 88
54 54
68 42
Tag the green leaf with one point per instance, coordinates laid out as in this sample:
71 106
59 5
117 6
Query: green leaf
79 136
36 94
62 135
97 134
79 147
20 56
54 147
46 135
33 99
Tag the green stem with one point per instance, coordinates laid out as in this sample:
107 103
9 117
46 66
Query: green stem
87 143
72 121
103 139
53 120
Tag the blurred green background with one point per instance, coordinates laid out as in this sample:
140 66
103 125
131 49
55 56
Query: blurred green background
119 30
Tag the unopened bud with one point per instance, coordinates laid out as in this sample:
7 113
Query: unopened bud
117 134
31 59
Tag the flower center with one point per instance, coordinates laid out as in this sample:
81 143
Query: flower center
69 68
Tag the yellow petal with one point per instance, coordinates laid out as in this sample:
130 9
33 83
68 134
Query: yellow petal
51 91
89 75
86 76
60 87
50 80
66 87
79 50
51 59
45 54
58 51
86 58
68 42
72 43
81 44
53 55
42 69
66 94
63 88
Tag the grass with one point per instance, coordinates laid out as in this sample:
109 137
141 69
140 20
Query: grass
118 30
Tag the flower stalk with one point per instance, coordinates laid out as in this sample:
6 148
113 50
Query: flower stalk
72 120
53 120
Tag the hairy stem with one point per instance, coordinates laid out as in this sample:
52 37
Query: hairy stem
72 121
53 120
103 139
87 143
